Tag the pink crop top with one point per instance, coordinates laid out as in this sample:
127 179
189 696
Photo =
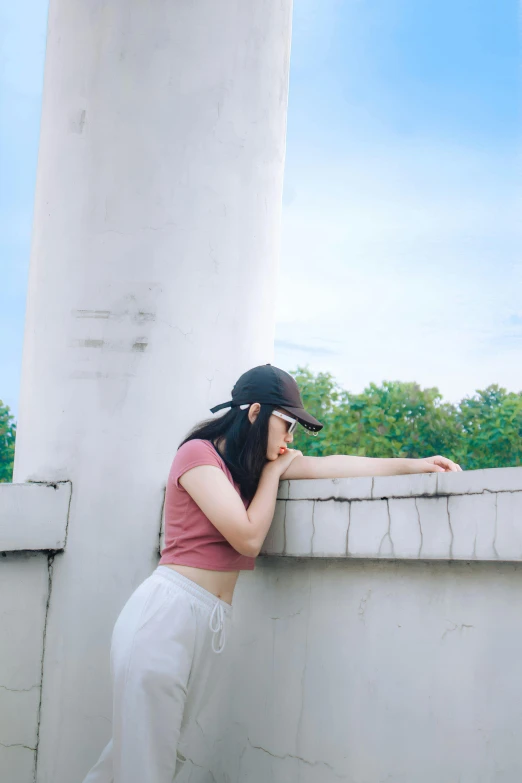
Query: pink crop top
190 537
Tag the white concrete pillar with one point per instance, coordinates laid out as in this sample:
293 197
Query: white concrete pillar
153 269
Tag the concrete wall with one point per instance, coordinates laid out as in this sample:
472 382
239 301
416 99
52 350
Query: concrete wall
382 639
366 671
378 639
33 529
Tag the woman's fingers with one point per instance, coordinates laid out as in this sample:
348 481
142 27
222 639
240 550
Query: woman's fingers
446 464
428 466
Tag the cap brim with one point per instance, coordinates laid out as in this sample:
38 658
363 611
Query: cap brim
305 418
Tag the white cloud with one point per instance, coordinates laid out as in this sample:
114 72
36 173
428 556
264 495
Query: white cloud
406 262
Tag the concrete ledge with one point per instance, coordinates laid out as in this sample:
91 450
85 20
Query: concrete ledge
473 515
34 516
468 482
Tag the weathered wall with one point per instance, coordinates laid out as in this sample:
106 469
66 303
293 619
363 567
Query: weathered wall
378 638
366 671
33 529
346 668
472 515
24 589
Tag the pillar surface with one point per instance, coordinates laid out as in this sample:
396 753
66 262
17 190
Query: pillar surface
152 287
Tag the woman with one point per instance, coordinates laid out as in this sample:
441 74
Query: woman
219 504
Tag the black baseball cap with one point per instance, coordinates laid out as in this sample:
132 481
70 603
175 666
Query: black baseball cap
271 386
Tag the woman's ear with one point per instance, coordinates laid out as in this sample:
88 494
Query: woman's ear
253 412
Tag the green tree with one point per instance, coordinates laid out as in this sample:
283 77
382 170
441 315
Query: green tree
320 395
400 419
490 424
7 442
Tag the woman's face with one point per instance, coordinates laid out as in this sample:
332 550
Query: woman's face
278 435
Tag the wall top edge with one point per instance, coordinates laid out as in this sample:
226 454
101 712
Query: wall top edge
467 482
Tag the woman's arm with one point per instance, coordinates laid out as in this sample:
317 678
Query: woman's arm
345 466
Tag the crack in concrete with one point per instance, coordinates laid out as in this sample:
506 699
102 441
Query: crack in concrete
174 326
200 766
53 484
301 711
362 605
495 533
161 521
455 626
420 529
18 690
450 527
21 552
39 713
284 531
401 497
68 514
313 529
287 616
347 551
388 532
241 759
16 745
298 758
212 254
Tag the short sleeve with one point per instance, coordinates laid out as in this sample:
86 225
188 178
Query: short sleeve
191 454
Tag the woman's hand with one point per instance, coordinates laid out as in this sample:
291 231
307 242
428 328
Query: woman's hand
435 464
283 460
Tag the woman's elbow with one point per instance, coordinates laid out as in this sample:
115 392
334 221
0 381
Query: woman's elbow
250 548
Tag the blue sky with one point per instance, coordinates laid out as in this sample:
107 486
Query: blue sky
22 49
402 203
401 209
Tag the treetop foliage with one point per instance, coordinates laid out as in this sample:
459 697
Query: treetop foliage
7 442
400 419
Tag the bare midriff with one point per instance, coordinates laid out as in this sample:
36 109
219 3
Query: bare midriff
219 583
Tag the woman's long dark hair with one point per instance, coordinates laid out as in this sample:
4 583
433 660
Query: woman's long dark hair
245 446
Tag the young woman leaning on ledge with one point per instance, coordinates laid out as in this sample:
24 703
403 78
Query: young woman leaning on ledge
219 505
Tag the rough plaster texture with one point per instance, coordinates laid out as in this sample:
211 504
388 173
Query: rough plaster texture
367 671
34 516
24 585
154 261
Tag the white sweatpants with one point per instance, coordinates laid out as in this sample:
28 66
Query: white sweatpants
162 655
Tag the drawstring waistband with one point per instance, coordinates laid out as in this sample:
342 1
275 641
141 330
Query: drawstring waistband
220 609
218 612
